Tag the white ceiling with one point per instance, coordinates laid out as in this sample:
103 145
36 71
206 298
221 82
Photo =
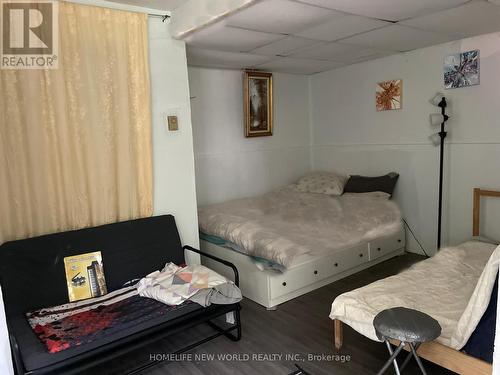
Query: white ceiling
390 10
473 18
153 4
310 36
280 16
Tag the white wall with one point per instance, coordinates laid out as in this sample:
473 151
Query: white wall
349 136
173 158
5 356
228 165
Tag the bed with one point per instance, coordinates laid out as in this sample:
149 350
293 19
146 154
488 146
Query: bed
286 243
455 287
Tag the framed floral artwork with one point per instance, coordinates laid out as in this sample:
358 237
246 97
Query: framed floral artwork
389 95
258 103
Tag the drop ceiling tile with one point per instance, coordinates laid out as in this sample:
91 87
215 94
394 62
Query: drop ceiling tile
222 59
341 27
223 38
299 66
474 18
338 52
284 47
279 16
397 38
390 10
378 55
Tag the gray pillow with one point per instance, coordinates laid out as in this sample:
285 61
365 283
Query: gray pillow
363 184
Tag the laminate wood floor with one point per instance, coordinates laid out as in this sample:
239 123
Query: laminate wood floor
299 328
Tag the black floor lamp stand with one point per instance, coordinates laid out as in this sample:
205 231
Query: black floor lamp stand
442 135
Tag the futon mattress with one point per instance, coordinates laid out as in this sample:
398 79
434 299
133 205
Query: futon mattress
454 287
79 323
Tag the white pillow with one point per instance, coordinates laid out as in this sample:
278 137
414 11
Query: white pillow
322 183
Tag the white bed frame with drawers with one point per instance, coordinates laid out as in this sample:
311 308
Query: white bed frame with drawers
270 289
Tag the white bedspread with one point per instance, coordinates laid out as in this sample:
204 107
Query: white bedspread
454 287
282 225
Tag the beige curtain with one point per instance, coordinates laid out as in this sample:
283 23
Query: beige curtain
75 143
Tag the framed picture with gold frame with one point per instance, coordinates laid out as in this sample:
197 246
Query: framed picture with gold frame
258 103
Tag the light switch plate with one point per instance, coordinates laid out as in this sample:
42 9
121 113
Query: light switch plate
173 123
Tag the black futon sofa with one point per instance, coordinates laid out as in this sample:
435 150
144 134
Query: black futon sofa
32 276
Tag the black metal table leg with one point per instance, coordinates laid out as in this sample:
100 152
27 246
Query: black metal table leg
391 359
408 357
417 358
395 361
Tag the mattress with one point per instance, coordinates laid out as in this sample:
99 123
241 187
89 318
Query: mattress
454 287
261 263
286 225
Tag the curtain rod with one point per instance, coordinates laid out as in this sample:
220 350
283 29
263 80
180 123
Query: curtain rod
164 17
